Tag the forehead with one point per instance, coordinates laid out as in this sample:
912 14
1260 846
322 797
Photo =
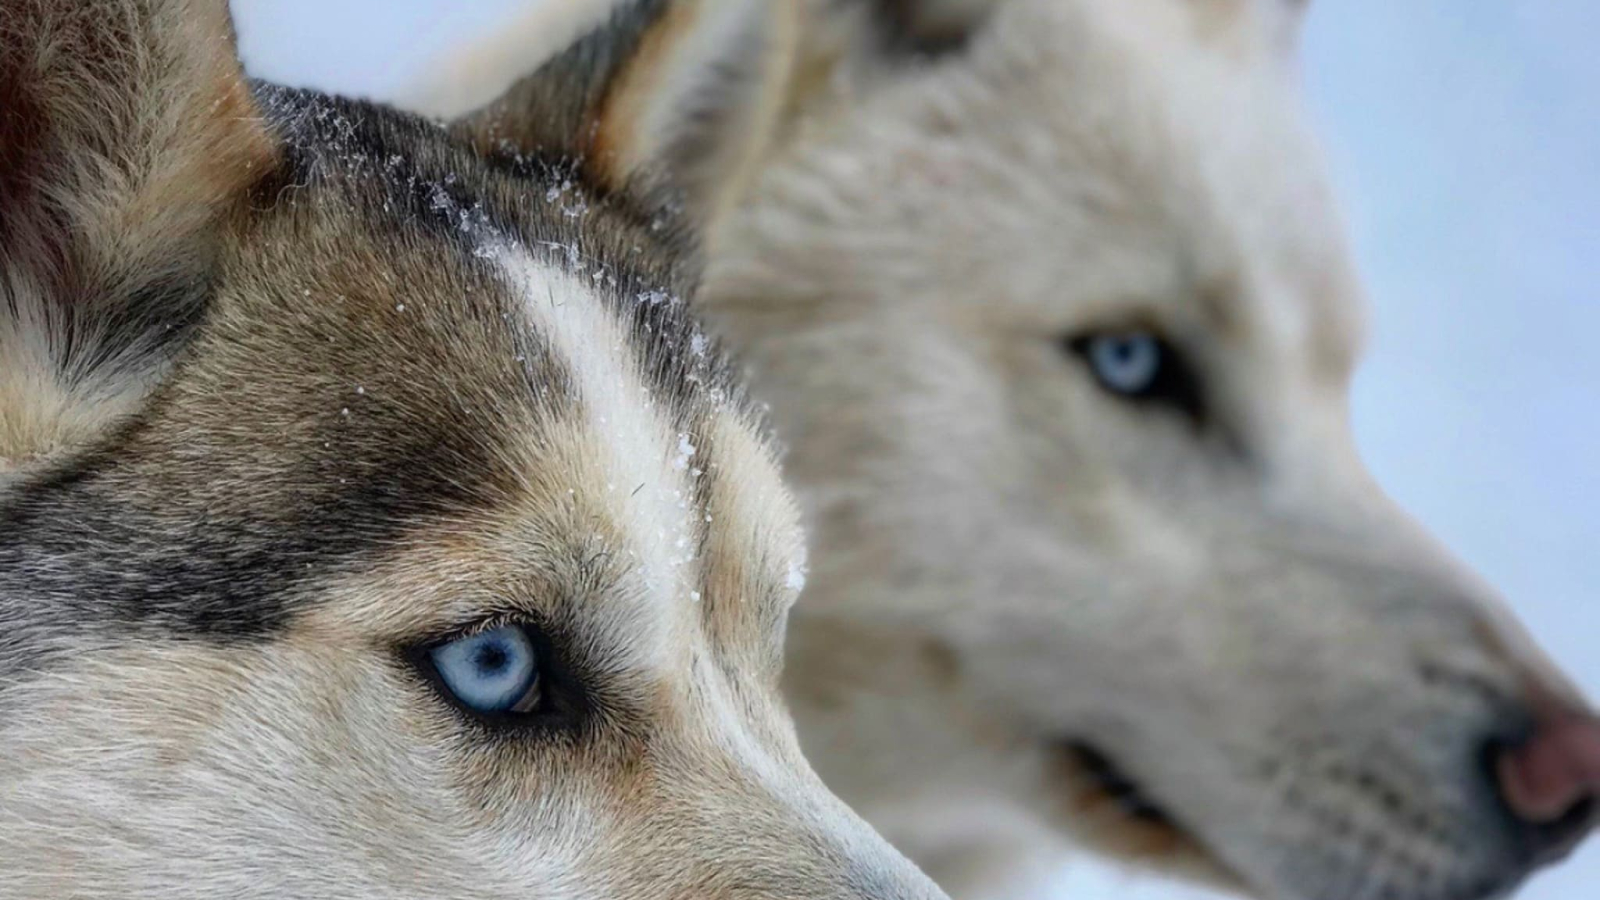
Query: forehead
414 365
1154 147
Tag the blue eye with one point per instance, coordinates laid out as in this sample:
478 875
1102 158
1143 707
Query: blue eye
491 672
1141 367
1126 363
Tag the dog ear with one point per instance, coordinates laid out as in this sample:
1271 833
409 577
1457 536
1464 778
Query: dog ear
681 95
127 131
1289 17
1282 19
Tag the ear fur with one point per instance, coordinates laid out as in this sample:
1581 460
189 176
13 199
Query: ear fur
678 94
128 131
1297 12
1277 22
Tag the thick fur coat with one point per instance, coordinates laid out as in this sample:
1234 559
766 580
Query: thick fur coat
1177 622
295 391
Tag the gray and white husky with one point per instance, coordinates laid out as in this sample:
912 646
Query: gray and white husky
1050 303
373 522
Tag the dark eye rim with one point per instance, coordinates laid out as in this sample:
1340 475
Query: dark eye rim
564 702
1176 386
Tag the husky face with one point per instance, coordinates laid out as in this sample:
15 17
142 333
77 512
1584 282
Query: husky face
373 523
1059 324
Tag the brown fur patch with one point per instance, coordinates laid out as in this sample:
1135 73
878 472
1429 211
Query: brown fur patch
626 106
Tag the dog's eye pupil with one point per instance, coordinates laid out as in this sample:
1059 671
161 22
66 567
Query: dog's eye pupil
1128 363
1142 367
491 659
494 671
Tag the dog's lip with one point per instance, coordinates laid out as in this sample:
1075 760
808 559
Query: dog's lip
1115 810
1115 784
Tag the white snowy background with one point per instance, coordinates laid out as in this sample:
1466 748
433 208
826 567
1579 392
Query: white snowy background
1464 137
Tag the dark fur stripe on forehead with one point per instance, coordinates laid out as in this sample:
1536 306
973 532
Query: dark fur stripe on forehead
225 541
638 261
194 522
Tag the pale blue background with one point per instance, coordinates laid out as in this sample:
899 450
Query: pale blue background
1465 137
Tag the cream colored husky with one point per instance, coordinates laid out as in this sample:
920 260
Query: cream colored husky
1054 312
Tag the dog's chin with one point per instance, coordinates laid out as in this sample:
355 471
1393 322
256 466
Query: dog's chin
1109 811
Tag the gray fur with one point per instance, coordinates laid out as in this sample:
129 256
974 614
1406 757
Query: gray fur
293 388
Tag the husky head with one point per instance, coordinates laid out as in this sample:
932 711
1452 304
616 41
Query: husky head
1055 314
373 523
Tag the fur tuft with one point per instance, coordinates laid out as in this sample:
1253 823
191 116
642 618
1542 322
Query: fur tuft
129 134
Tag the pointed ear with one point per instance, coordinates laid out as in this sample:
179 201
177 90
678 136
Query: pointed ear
127 132
1269 29
1291 18
675 94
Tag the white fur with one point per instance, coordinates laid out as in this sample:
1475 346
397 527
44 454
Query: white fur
641 466
1007 559
1206 608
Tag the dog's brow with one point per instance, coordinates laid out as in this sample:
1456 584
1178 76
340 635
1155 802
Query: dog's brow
646 476
1221 299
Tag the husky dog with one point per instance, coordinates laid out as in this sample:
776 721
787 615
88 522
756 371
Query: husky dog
373 523
1052 308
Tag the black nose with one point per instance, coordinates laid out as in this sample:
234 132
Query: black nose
1548 782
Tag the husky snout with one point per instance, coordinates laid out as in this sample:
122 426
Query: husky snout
1546 765
1550 782
762 825
806 862
1468 765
